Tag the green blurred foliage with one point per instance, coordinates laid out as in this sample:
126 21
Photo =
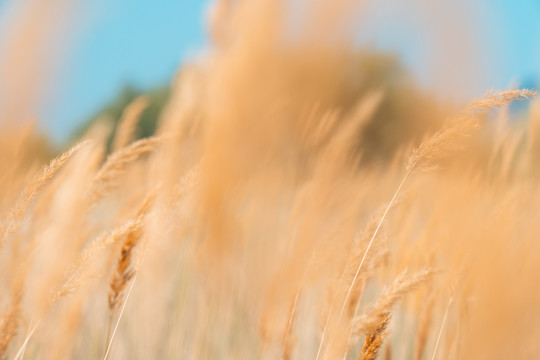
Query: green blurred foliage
405 114
146 126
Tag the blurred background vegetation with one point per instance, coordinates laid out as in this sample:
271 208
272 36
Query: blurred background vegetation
404 115
112 111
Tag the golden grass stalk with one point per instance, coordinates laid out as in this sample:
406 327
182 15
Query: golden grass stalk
32 189
436 146
375 338
101 242
117 163
9 323
380 253
338 144
70 282
358 271
22 349
401 286
495 98
442 327
287 341
388 352
349 272
125 131
109 345
440 144
450 136
124 271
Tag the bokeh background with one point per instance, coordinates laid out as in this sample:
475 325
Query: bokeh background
85 59
290 137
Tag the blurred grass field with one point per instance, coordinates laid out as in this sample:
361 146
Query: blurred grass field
286 197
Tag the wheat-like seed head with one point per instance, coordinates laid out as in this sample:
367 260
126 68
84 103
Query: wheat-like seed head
399 288
124 272
70 282
30 191
107 177
375 338
450 136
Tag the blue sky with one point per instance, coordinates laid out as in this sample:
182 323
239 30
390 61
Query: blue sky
465 46
127 42
142 43
519 27
116 43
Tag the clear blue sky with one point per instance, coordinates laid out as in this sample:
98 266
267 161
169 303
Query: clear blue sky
135 42
142 43
118 43
467 46
519 27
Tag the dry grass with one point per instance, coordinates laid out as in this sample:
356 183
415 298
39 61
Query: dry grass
260 222
400 287
374 339
116 164
13 219
125 133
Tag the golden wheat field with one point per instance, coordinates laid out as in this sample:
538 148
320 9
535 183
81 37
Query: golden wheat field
299 199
